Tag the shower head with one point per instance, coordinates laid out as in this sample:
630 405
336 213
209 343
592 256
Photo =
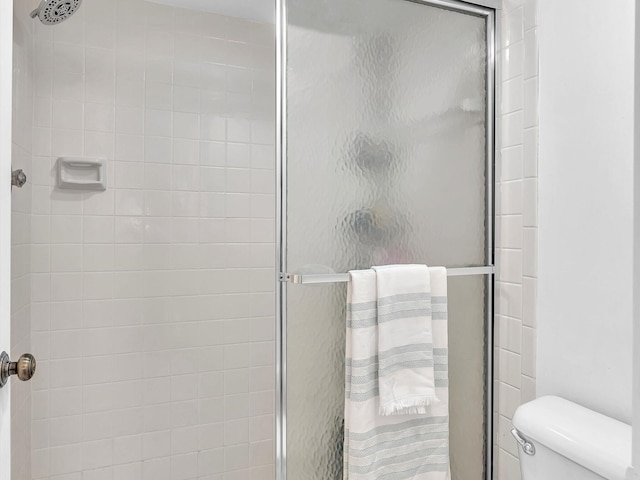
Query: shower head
52 12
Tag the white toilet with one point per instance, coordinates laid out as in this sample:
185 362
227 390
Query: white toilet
560 440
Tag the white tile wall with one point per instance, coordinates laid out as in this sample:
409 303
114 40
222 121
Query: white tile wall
516 228
153 301
21 235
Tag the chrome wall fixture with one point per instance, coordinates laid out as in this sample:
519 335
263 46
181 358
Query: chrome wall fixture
18 178
482 8
527 447
52 12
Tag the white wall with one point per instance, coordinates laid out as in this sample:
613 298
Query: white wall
586 201
6 69
636 265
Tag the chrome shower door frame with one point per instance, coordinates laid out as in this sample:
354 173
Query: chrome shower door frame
488 9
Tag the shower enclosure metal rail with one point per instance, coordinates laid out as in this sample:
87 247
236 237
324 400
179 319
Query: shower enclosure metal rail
482 8
312 279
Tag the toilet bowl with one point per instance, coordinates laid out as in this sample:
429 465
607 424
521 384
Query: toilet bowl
560 440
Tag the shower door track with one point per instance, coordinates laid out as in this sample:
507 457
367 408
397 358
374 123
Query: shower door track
486 9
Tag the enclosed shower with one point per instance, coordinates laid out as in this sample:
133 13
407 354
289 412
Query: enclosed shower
200 177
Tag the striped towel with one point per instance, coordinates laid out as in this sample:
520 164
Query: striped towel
398 446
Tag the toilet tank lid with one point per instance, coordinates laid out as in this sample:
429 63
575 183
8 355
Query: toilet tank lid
590 439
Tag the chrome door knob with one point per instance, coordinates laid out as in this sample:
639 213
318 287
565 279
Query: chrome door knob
18 178
24 368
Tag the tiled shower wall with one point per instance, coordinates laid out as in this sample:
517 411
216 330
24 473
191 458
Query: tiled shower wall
21 236
516 227
152 301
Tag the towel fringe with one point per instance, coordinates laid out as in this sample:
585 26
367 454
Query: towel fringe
413 406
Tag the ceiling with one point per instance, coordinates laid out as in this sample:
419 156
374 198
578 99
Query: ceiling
257 10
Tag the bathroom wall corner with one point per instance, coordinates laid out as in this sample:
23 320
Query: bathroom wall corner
516 227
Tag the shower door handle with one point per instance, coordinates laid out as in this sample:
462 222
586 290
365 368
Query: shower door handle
24 368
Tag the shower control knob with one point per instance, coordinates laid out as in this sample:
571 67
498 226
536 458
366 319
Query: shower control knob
24 368
18 178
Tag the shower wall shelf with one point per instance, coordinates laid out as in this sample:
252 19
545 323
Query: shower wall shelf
82 173
317 278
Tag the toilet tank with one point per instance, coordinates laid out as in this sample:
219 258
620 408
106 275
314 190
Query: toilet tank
571 442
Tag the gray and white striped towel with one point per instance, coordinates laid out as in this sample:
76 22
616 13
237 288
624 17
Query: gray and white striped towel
396 405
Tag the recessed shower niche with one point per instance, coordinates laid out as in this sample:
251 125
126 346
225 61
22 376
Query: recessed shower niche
81 173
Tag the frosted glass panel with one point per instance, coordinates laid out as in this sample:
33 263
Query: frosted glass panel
386 164
316 334
467 386
315 364
386 135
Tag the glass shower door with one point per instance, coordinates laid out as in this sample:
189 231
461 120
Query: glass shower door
387 116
